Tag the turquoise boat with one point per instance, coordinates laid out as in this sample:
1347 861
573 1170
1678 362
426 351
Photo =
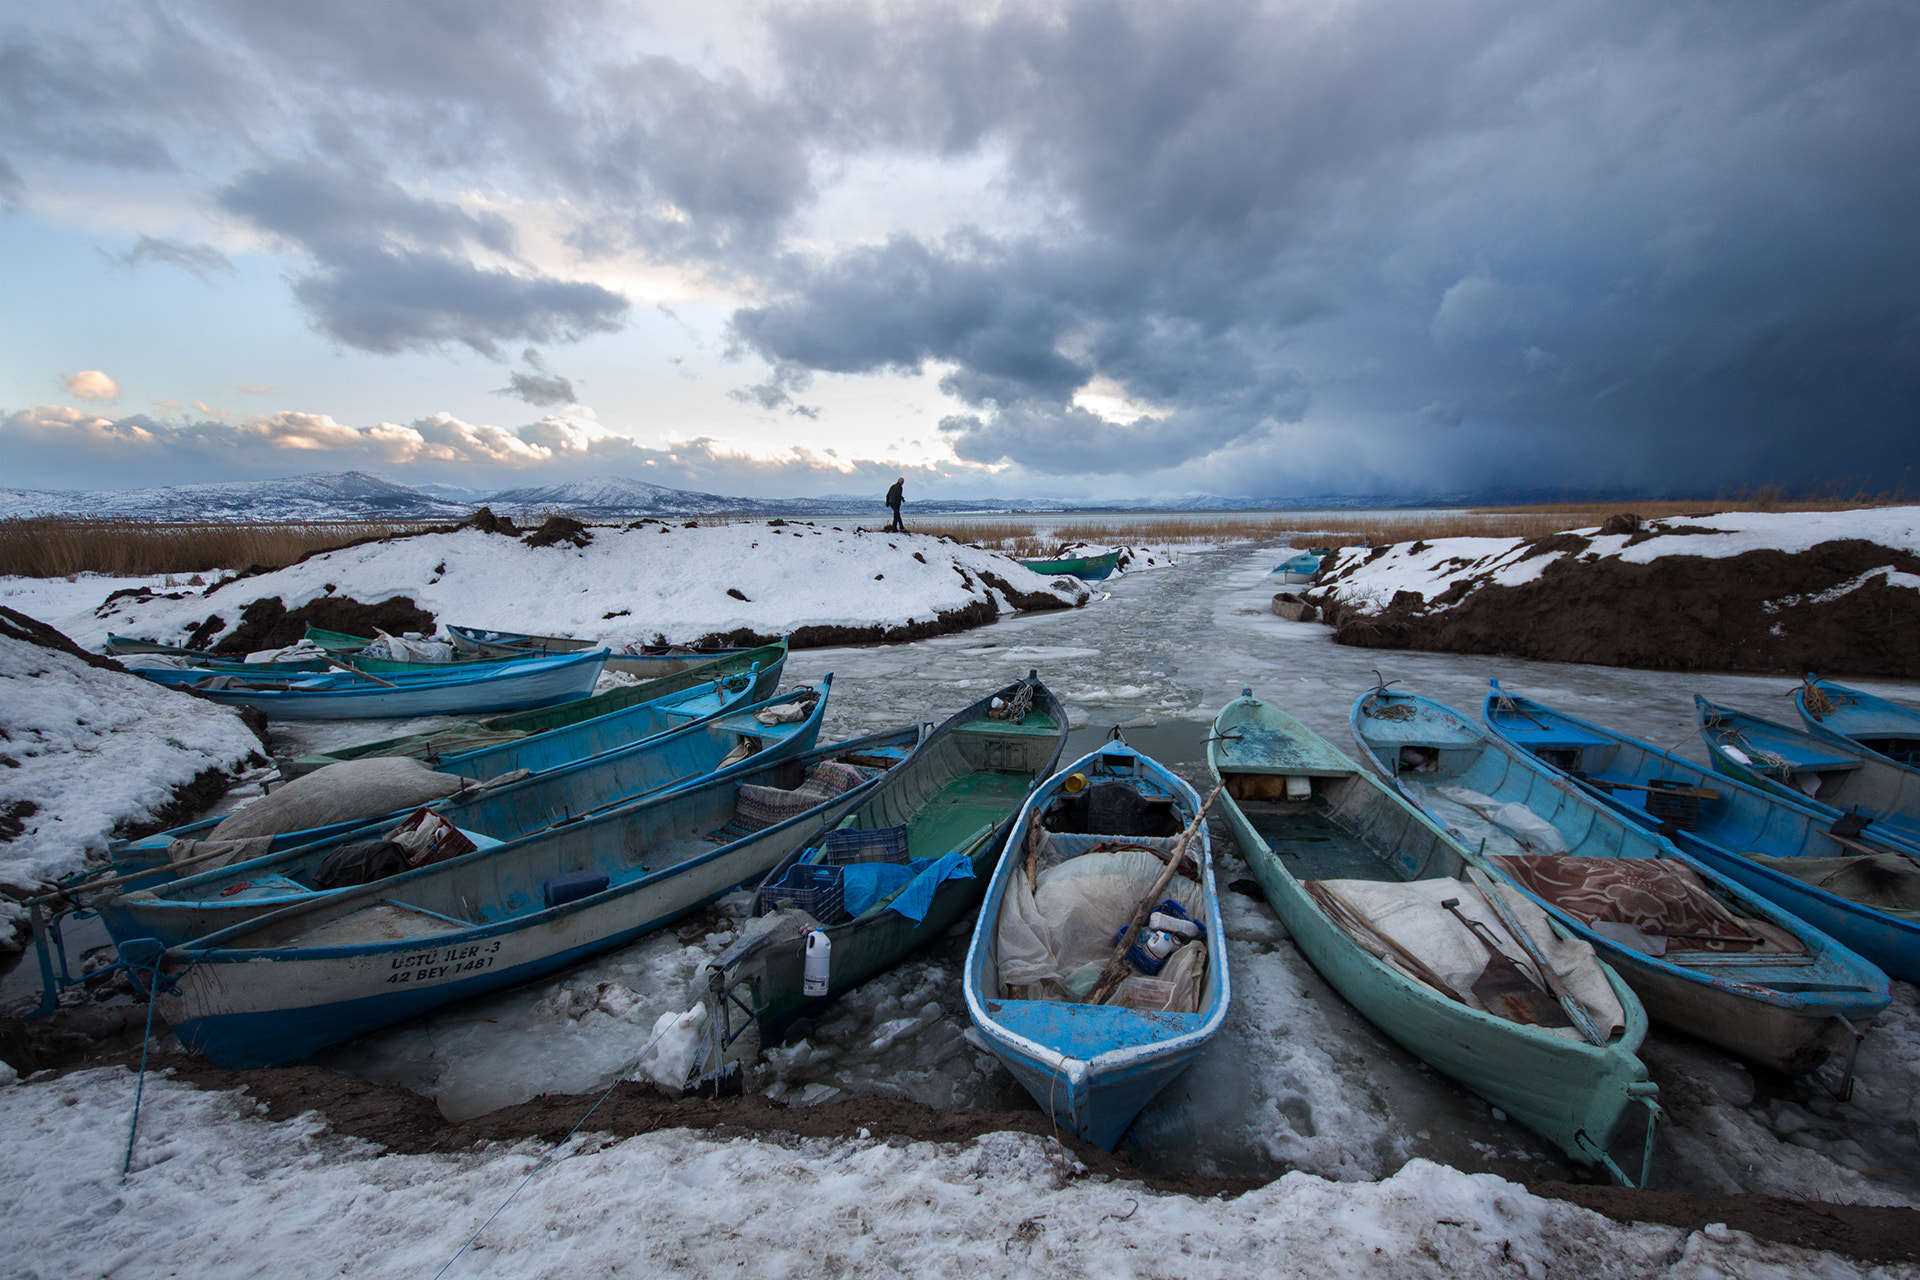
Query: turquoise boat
1326 839
1833 711
943 816
1874 798
188 907
647 661
1304 567
345 695
1087 568
766 664
1030 968
1704 954
281 987
1865 896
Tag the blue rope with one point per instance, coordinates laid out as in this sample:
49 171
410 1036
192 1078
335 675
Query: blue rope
146 1041
547 1159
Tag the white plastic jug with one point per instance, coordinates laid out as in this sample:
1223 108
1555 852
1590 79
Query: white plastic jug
819 954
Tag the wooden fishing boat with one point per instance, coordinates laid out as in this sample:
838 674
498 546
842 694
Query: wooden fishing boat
646 661
1876 797
1731 968
1328 841
1857 889
195 905
765 662
1031 974
280 987
625 729
1086 568
1833 711
948 809
344 695
1304 567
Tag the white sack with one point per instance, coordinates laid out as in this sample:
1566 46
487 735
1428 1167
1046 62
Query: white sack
344 792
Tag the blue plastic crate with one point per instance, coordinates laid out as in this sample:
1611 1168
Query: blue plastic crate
813 888
889 844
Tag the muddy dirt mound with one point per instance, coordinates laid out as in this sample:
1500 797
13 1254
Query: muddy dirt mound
559 529
1823 609
268 623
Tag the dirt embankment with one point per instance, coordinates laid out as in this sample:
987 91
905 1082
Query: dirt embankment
1766 611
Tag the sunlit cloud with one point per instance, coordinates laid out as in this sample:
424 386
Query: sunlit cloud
91 384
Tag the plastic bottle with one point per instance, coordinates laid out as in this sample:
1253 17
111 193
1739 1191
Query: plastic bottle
819 954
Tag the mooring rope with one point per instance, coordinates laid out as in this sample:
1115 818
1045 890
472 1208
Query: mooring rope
140 1083
548 1158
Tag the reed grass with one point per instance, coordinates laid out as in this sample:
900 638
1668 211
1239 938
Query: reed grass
60 547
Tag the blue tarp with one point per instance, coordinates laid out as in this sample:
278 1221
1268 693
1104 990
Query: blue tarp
867 883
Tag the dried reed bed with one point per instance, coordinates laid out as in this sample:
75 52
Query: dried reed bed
58 547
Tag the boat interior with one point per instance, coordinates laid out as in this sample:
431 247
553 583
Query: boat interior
1099 845
604 853
962 789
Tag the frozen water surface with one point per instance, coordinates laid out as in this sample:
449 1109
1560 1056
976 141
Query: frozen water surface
1297 1079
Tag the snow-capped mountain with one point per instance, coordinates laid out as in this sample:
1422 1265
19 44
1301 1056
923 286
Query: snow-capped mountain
347 495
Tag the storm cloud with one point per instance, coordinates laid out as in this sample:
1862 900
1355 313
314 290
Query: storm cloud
1252 249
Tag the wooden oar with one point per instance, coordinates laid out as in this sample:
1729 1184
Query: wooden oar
1504 909
363 675
1117 968
1383 947
1702 793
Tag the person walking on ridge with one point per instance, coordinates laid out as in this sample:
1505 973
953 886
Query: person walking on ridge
894 500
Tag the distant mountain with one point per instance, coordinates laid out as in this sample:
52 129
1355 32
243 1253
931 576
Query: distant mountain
349 495
355 495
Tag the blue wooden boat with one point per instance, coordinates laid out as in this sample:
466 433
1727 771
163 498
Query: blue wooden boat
1831 710
1087 568
1304 567
1876 797
279 988
343 695
647 661
1093 1067
765 663
1768 987
177 910
621 727
1779 849
1338 838
944 814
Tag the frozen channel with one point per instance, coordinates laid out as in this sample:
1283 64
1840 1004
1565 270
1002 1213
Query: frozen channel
1297 1080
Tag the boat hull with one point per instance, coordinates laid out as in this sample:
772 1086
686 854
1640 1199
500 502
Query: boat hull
1093 1068
1576 1095
251 997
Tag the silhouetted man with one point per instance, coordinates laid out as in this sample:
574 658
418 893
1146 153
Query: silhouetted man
894 500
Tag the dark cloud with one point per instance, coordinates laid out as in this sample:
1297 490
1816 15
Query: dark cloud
13 188
1385 245
394 271
200 260
541 387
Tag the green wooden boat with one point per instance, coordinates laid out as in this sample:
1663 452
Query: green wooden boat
1087 568
958 794
1335 823
473 735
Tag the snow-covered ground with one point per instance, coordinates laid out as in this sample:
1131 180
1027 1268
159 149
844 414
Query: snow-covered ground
1368 581
1296 1079
218 1193
642 582
86 750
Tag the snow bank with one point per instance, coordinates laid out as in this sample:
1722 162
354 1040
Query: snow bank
216 1192
87 750
1367 580
646 581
